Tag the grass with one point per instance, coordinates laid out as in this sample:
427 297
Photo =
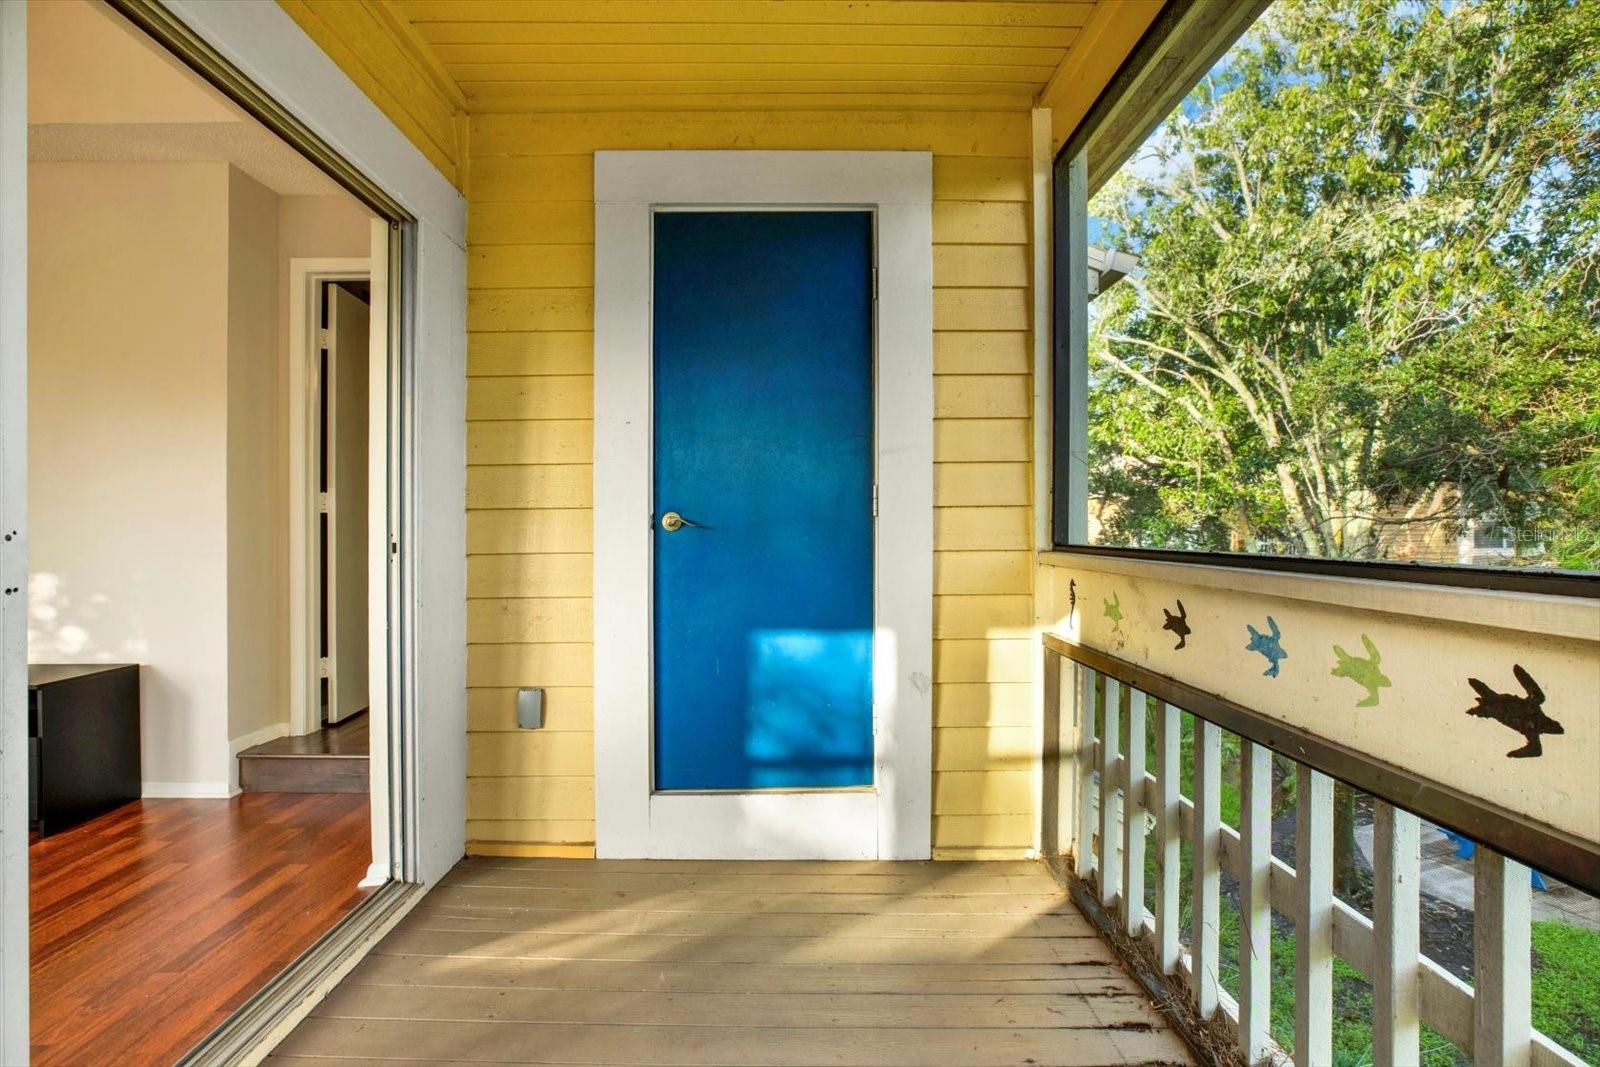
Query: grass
1566 958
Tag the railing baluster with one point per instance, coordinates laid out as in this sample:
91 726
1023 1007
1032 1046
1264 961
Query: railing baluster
1313 932
1396 978
1502 1007
1089 686
1133 815
1168 837
1055 801
1110 797
1205 902
1255 902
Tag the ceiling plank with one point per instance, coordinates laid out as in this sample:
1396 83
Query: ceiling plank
882 12
1106 40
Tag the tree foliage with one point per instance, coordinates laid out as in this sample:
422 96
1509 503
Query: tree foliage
1369 291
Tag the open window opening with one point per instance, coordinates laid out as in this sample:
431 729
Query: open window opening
1325 296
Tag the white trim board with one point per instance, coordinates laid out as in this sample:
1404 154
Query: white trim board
894 819
187 790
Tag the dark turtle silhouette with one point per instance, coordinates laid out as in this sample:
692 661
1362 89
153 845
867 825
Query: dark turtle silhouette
1178 624
1523 714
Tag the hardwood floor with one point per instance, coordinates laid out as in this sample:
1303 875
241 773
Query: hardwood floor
623 962
151 923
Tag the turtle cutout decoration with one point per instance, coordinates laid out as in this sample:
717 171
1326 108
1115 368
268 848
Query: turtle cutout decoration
1178 624
1362 670
1524 714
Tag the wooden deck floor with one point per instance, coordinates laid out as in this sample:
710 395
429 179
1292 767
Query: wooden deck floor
585 962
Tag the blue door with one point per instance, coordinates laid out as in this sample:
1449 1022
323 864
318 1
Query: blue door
763 500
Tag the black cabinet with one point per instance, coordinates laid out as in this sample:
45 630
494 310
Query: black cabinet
83 741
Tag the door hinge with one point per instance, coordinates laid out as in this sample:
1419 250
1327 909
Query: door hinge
874 499
874 284
322 667
323 503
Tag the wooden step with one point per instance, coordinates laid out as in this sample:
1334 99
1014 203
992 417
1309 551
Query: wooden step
331 760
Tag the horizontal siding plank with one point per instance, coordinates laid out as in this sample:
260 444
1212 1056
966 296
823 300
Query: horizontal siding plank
973 396
984 660
979 222
520 532
530 179
540 798
539 620
981 352
531 353
556 396
967 484
548 574
998 704
530 754
980 266
553 831
983 793
567 709
533 266
955 134
972 528
982 616
982 831
530 309
535 486
983 572
530 441
979 440
996 179
530 665
985 748
563 222
981 309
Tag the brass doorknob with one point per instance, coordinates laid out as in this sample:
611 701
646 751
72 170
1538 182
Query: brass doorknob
672 522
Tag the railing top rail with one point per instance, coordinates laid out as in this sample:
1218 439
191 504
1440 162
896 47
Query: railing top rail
1545 848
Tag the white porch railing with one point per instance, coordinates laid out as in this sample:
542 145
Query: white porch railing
1098 791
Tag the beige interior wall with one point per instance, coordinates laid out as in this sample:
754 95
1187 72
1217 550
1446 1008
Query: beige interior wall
258 552
127 387
158 353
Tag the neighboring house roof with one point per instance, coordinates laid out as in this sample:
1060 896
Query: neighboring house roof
1107 267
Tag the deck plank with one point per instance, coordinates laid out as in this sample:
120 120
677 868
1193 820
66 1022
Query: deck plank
754 964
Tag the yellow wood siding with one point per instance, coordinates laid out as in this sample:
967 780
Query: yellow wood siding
530 406
375 44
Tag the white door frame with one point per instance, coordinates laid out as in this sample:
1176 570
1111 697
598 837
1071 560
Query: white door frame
306 275
893 820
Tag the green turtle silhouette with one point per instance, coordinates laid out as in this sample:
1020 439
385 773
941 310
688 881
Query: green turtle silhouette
1362 671
1114 612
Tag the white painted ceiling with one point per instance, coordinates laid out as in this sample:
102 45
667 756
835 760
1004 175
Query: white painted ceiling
98 89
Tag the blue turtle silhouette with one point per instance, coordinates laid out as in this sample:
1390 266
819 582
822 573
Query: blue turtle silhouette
1269 645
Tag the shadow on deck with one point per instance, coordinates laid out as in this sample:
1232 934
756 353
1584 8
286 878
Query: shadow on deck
635 962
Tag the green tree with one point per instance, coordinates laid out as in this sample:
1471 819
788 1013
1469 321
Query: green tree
1369 291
